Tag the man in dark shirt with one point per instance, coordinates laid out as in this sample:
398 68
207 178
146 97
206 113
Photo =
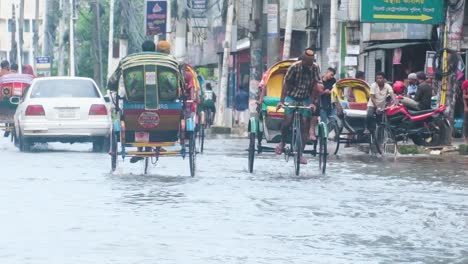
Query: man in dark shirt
300 87
422 99
325 99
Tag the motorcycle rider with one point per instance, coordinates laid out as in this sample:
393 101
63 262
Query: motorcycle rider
422 99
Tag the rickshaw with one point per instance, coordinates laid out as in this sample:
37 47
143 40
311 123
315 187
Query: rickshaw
267 125
350 97
151 121
193 103
11 85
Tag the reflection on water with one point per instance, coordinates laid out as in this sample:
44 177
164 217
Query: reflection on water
364 210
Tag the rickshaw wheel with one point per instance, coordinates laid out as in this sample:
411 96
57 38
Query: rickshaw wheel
333 128
251 151
322 148
202 137
192 153
113 150
296 147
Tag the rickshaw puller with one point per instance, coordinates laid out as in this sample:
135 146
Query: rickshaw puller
300 86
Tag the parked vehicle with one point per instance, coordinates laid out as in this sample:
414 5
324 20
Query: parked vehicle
424 128
62 109
350 97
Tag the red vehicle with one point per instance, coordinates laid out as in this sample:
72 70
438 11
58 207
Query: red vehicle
426 127
11 85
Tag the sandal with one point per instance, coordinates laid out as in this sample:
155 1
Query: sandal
279 149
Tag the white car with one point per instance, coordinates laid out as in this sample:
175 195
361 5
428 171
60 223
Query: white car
62 109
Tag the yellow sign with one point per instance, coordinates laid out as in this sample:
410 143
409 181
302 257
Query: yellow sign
403 17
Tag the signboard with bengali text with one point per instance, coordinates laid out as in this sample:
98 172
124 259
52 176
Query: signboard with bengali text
402 11
156 16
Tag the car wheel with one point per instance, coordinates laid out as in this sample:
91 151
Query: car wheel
24 144
101 144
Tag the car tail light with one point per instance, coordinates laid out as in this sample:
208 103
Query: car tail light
35 110
98 109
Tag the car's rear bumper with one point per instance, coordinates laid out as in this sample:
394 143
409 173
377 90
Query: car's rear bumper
79 128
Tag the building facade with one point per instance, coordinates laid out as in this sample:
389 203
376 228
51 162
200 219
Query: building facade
30 23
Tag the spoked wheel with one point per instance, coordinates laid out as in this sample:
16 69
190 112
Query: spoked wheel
333 137
192 154
383 140
251 151
297 145
201 135
323 151
113 150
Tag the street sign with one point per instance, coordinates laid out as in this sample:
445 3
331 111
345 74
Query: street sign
156 16
43 66
402 11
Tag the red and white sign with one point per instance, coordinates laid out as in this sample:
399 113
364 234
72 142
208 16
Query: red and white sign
148 120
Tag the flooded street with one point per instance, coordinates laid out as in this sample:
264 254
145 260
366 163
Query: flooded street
62 205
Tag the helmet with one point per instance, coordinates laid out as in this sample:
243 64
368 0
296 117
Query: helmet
398 87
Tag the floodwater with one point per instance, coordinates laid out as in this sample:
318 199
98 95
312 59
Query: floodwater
62 205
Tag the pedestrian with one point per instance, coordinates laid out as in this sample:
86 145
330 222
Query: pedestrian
14 68
326 109
5 68
241 105
413 85
465 104
422 98
379 92
27 69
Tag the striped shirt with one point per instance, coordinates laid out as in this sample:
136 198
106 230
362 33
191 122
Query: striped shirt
300 79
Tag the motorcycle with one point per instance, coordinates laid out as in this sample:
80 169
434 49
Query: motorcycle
424 128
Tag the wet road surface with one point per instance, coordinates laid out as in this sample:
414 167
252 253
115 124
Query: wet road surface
62 205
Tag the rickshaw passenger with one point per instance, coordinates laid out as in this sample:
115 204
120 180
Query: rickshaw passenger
5 68
113 82
300 86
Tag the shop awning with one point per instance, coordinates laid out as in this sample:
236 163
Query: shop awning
393 45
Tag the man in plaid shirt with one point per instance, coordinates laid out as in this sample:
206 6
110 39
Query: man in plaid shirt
302 86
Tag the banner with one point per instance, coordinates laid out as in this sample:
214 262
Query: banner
156 17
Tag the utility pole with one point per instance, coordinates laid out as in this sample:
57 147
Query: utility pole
221 101
36 34
168 22
288 31
61 53
97 44
14 44
452 39
20 36
273 47
256 53
181 32
110 44
72 40
333 49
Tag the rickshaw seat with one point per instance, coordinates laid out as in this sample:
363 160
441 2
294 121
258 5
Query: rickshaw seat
357 106
360 95
270 103
275 85
355 113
